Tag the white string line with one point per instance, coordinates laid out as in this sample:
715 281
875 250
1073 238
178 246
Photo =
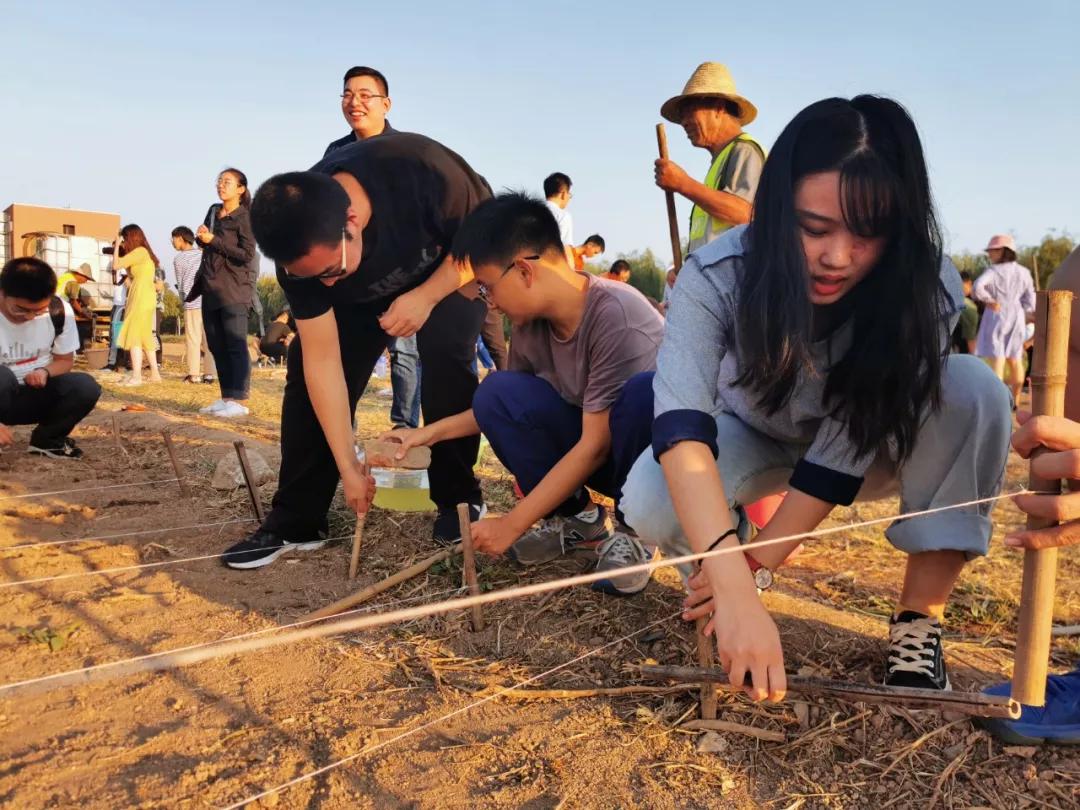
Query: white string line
162 661
124 568
88 489
123 534
468 707
366 609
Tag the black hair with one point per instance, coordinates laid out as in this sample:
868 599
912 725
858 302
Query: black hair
1007 255
884 383
241 178
505 226
965 275
555 184
361 70
185 233
27 278
597 240
619 265
294 211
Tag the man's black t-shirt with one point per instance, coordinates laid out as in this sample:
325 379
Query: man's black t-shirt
420 192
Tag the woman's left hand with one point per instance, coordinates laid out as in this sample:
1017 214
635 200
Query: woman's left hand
407 314
204 235
494 535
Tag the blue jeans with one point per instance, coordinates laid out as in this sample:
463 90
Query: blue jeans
226 335
530 428
405 380
959 456
116 320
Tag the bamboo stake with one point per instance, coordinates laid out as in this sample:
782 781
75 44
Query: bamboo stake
116 431
577 694
1035 269
358 532
673 222
973 703
382 585
253 488
468 564
184 492
1049 367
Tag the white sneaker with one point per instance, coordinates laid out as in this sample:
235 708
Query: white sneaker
231 410
213 407
621 550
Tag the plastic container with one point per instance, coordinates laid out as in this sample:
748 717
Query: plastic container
401 490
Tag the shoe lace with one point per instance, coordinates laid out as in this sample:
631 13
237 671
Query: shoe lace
912 645
621 549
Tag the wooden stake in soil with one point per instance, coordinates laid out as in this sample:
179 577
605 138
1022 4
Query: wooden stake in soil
253 488
673 222
116 431
1049 367
359 597
705 659
358 533
468 563
184 492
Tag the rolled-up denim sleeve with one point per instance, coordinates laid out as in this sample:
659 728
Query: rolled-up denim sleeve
688 365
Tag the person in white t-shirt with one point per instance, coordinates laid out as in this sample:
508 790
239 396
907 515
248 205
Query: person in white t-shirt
557 193
38 340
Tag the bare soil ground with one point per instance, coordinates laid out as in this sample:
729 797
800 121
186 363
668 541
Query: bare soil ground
215 733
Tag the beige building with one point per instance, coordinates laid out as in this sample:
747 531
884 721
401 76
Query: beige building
20 219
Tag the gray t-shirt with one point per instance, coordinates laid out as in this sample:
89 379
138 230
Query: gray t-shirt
742 171
618 337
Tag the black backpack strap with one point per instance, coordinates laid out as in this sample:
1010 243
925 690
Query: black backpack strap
57 314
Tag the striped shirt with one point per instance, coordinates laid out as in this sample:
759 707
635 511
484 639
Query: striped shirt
185 267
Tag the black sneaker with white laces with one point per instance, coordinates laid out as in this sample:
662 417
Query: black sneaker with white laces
915 656
263 547
447 530
64 449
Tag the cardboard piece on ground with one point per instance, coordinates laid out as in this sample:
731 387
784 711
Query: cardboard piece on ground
381 454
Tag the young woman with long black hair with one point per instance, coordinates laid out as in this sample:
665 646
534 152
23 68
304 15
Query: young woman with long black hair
828 318
225 282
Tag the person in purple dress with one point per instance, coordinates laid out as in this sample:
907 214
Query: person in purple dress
1007 290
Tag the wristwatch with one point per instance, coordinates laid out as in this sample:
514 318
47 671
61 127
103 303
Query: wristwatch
763 577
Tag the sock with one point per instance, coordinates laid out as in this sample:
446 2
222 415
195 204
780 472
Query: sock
589 515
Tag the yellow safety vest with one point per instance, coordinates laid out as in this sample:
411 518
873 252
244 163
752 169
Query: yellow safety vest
704 227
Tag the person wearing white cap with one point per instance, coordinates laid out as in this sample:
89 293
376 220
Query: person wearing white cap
712 113
1009 294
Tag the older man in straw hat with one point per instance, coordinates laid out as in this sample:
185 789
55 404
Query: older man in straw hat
713 115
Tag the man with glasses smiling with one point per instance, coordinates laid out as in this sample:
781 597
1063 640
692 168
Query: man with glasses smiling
362 244
365 101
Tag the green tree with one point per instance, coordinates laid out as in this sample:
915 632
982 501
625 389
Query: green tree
173 314
1046 256
271 295
647 273
973 263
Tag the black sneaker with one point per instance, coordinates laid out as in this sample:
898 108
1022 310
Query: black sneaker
915 656
263 547
66 449
447 529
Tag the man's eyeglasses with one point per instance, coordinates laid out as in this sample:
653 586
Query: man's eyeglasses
325 274
364 98
484 290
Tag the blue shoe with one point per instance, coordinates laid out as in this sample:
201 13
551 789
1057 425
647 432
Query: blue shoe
1058 722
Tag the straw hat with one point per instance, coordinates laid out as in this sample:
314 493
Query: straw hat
84 271
1002 240
710 80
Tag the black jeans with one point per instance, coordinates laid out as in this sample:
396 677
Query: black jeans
226 336
309 475
56 409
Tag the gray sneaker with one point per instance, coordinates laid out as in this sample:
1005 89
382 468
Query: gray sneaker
621 550
557 536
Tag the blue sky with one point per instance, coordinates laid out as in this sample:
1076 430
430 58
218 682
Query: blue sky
134 109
